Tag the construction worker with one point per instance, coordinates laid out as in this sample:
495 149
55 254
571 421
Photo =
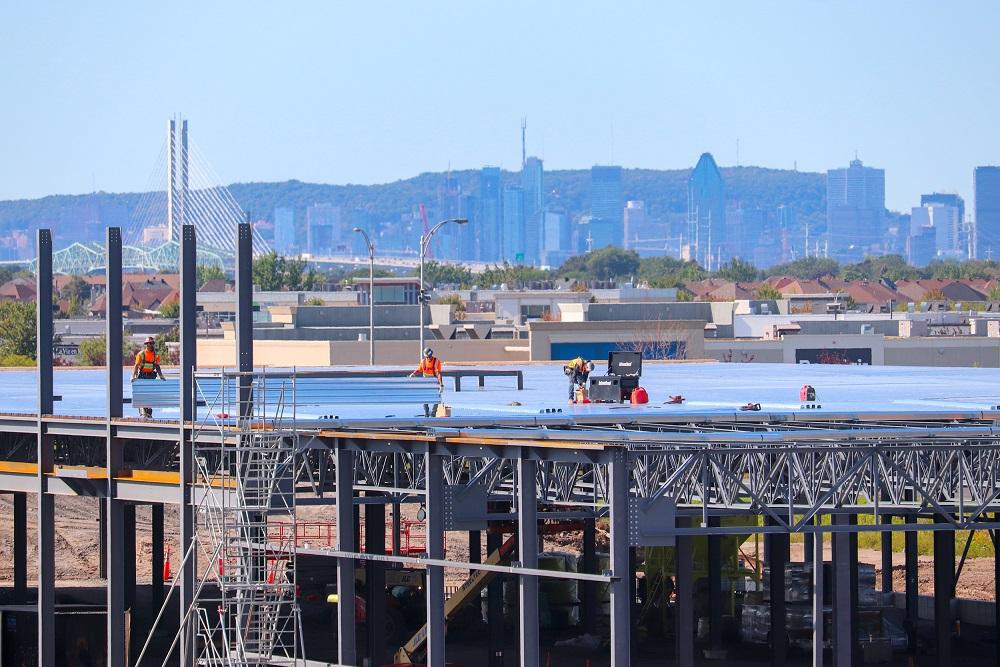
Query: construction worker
577 370
430 367
147 367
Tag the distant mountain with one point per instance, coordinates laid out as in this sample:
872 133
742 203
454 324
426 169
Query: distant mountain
82 217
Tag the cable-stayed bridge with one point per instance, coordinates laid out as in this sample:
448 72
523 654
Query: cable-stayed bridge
183 189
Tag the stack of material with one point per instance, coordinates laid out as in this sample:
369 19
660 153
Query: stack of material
755 624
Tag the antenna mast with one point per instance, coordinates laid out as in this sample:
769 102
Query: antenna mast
524 154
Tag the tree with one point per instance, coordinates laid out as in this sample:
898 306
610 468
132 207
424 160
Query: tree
17 329
607 263
314 301
768 293
77 288
207 272
738 271
873 269
294 272
268 271
445 274
669 272
994 293
807 268
170 309
91 351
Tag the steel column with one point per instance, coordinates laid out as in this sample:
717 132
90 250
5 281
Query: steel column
156 579
620 589
344 477
20 548
475 546
995 536
886 556
809 549
129 554
434 473
714 586
843 614
244 312
527 546
685 596
944 584
46 502
188 362
912 592
375 583
588 609
494 601
102 537
112 510
776 553
817 602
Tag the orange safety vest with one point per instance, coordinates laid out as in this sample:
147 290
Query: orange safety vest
148 361
430 367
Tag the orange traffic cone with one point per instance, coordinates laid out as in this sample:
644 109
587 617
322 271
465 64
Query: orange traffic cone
166 565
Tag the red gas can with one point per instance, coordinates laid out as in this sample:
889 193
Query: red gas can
639 396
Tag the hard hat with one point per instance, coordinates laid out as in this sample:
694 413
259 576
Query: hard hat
428 352
150 339
590 365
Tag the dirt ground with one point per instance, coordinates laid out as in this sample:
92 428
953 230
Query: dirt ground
77 552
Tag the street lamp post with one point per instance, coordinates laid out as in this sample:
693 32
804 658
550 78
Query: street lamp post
371 295
424 240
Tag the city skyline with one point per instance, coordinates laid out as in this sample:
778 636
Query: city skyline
764 87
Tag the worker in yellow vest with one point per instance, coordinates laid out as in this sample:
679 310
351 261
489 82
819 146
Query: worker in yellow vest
147 367
577 370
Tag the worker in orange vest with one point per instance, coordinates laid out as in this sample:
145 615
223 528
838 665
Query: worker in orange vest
430 367
147 367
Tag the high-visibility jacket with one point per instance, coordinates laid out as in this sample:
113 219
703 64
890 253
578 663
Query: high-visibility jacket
147 362
430 367
578 365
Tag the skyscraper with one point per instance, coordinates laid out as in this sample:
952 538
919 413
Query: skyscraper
489 222
964 242
635 222
534 204
513 236
323 229
284 231
606 211
855 210
944 224
987 230
706 213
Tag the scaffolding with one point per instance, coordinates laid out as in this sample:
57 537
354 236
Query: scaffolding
244 446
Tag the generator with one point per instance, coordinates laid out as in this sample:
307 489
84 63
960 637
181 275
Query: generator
627 367
605 389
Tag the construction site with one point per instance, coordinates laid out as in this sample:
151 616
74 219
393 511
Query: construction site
288 516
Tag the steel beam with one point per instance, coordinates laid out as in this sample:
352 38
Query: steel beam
20 548
344 476
944 584
776 553
375 584
527 545
128 541
188 361
46 502
685 596
434 472
112 509
995 536
620 587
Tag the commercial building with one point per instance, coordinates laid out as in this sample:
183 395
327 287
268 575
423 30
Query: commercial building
987 193
635 222
285 242
513 230
323 229
533 185
490 219
706 228
606 209
855 210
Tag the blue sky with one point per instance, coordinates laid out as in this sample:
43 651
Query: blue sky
369 92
